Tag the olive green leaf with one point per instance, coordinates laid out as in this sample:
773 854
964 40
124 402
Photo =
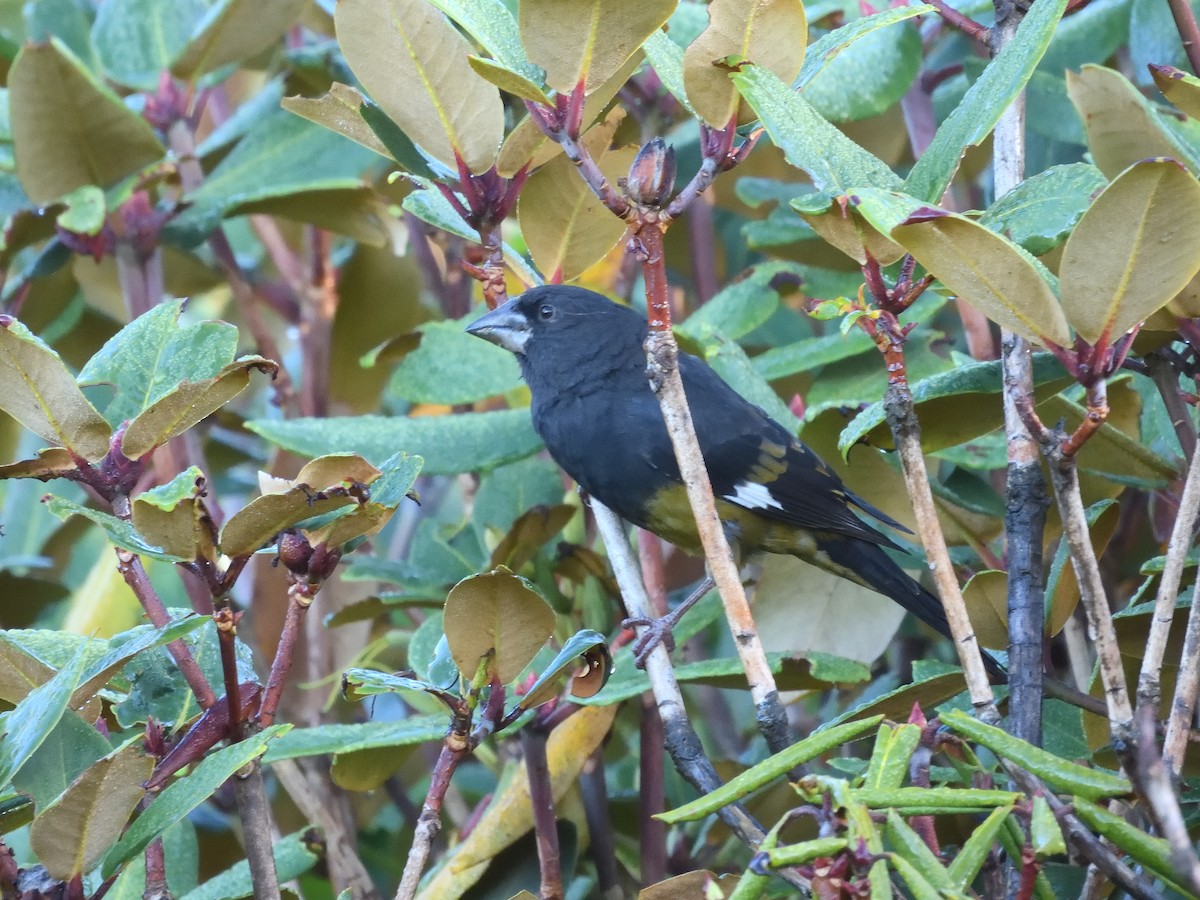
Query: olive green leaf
1135 248
42 395
414 64
233 31
68 129
769 33
72 834
500 614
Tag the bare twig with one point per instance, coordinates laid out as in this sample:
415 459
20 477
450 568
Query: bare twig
965 24
156 872
1025 490
1065 478
1152 781
255 814
599 822
1185 22
312 799
1187 684
1168 590
1167 380
906 431
545 822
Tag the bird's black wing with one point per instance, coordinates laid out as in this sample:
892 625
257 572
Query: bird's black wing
755 463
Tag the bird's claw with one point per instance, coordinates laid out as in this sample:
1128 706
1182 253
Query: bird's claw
657 631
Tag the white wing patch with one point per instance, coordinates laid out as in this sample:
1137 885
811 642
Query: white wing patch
751 495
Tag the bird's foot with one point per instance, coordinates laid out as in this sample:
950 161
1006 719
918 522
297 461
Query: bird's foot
657 631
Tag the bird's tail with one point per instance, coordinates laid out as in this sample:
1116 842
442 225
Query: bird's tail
876 570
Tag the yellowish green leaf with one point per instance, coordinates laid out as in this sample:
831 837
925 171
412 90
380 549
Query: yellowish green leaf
414 64
1179 87
565 225
769 33
986 596
338 110
509 80
587 40
510 815
1136 247
1121 127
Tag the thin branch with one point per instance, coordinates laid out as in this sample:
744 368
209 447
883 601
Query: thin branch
131 569
1187 684
255 813
681 740
1167 380
1025 489
1152 781
1185 22
1168 589
602 844
300 598
906 431
545 822
965 24
313 800
652 833
1065 477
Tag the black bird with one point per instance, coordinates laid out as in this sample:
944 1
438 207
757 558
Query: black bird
583 359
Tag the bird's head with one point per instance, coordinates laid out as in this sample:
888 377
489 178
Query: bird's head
558 317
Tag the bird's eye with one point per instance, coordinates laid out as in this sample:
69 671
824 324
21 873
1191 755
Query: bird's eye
546 312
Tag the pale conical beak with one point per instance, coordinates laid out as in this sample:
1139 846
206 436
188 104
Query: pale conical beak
505 326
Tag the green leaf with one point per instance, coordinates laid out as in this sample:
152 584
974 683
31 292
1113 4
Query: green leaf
233 31
85 212
768 770
916 882
294 855
893 57
72 834
952 406
281 156
1059 773
465 442
834 162
1045 834
666 58
894 747
509 80
912 847
136 40
1152 852
744 305
934 801
451 367
566 663
827 47
329 740
153 354
360 683
499 615
186 793
120 531
1135 248
57 109
491 24
1040 212
981 107
413 63
28 724
125 646
66 753
41 394
975 851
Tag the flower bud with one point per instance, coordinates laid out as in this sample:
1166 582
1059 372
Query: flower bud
652 175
